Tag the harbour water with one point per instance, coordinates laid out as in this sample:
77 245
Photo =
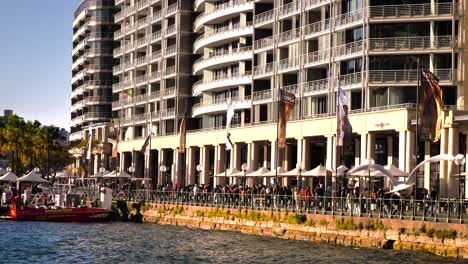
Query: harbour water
40 242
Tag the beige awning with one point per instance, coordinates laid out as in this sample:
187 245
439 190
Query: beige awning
317 172
31 177
259 173
9 176
272 173
228 173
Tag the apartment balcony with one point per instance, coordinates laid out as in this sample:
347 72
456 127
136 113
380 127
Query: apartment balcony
289 64
221 82
142 42
118 87
412 12
220 105
95 100
95 116
153 57
267 96
169 92
170 10
442 44
141 5
119 2
78 62
222 58
407 77
198 5
122 103
79 46
76 121
166 114
79 90
142 61
222 35
350 81
141 80
312 4
95 84
222 11
124 48
172 29
154 76
158 15
316 87
317 29
290 9
317 58
78 76
80 31
288 37
265 70
350 20
169 72
128 11
349 50
170 51
76 106
265 18
263 44
156 36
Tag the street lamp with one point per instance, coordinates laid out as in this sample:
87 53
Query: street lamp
299 168
131 169
460 161
163 170
199 169
244 168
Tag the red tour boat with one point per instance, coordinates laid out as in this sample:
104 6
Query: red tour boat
78 214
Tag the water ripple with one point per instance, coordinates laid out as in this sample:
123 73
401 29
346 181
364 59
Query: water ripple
37 242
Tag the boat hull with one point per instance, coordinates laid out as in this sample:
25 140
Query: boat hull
60 215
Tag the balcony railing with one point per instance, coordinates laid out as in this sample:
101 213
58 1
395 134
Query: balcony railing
350 79
411 10
412 43
350 18
289 9
264 43
264 69
317 27
222 30
317 86
350 49
316 57
220 8
218 55
97 99
289 63
97 115
289 36
406 76
265 17
219 79
308 4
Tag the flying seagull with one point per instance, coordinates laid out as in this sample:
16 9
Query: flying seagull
404 188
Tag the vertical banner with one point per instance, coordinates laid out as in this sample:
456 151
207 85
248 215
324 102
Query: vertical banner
344 130
89 144
286 104
431 105
145 149
183 131
230 115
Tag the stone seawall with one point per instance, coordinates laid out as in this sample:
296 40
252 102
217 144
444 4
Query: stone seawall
444 239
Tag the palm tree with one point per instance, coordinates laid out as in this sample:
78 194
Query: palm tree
12 139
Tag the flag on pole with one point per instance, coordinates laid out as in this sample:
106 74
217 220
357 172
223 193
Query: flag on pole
344 130
145 149
183 131
230 115
115 151
431 105
89 145
285 109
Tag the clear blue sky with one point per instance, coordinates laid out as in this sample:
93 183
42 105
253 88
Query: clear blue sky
35 59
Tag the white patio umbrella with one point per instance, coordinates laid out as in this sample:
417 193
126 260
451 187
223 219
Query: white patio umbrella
259 173
228 173
119 174
32 177
105 173
293 172
272 173
365 173
8 177
317 172
340 171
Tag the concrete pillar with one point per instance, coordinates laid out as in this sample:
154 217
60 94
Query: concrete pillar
409 155
363 148
306 154
370 150
401 150
329 162
190 166
300 150
273 155
176 172
452 182
389 150
254 156
285 162
443 164
335 154
204 161
162 161
427 166
97 163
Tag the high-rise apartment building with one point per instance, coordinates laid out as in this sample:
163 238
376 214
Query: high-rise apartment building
91 82
192 58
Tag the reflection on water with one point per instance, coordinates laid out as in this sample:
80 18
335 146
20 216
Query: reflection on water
37 242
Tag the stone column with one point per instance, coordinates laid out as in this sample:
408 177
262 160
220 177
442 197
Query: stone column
190 166
162 161
363 148
452 182
96 163
427 166
329 160
443 164
409 155
273 155
370 149
177 172
335 154
204 162
401 150
300 151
